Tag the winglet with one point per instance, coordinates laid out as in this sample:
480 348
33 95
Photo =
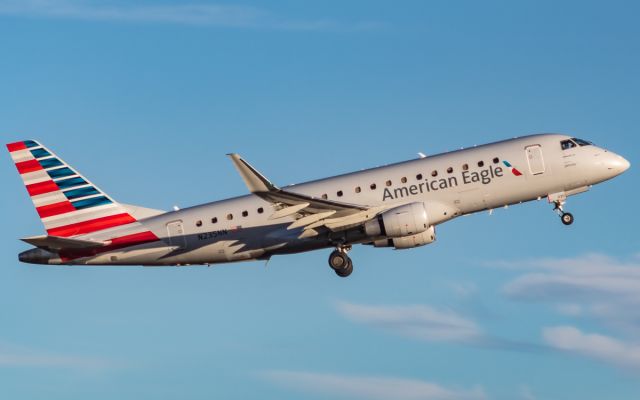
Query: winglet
255 181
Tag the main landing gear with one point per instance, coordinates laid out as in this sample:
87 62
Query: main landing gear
565 217
340 262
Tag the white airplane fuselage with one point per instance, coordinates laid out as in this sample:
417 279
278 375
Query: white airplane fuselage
447 185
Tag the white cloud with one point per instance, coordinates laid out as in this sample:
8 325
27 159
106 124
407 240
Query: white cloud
423 322
370 387
595 346
593 285
526 393
18 356
231 16
415 321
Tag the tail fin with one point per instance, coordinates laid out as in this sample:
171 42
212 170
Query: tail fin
67 202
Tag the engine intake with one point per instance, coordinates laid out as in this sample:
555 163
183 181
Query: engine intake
409 219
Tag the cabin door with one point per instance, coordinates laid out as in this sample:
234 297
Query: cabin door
534 157
175 234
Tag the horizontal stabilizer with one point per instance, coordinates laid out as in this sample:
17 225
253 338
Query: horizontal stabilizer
58 243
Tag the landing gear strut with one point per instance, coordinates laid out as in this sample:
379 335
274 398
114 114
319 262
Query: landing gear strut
340 262
565 217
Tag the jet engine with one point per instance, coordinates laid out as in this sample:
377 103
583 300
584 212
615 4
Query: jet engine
406 220
408 242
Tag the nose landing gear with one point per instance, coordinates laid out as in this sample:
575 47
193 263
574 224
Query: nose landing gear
340 262
565 217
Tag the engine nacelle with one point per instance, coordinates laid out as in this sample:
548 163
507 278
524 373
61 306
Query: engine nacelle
408 242
406 220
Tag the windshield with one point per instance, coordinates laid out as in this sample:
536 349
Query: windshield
582 142
567 144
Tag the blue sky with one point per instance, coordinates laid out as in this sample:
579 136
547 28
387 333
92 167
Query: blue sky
145 98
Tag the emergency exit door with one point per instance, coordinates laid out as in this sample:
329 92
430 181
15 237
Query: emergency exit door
175 233
535 159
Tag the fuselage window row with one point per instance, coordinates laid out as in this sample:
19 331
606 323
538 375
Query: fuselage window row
373 186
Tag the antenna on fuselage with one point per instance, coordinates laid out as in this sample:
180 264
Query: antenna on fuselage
422 155
176 208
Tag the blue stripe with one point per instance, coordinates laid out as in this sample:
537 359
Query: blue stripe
96 201
30 143
50 163
82 192
507 164
39 153
60 172
70 182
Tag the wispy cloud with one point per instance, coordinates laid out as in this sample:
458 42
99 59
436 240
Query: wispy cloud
595 346
370 387
593 285
526 393
198 13
415 321
18 356
423 322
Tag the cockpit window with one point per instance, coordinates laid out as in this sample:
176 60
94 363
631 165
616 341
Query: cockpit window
568 144
582 142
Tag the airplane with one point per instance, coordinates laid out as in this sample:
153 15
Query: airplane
394 206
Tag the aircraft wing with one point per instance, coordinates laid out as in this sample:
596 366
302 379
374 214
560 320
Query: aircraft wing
310 212
58 243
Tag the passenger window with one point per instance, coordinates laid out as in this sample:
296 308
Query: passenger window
214 220
465 167
358 190
419 177
496 160
324 196
449 170
373 186
434 173
388 183
245 213
339 193
567 144
480 164
198 223
229 217
260 210
404 179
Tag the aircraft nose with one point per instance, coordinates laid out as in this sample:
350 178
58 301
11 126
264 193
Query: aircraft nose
625 164
618 164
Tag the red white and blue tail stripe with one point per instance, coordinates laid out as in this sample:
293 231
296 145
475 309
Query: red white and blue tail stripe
68 203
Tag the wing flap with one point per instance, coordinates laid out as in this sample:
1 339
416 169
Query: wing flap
310 219
287 211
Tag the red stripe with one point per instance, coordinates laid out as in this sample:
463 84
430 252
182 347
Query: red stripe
16 146
116 243
28 166
55 209
42 187
92 225
133 239
516 172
